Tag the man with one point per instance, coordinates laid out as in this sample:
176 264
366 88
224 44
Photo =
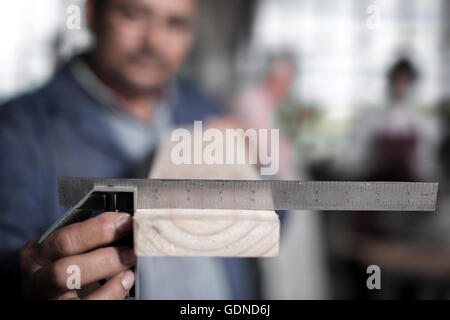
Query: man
101 116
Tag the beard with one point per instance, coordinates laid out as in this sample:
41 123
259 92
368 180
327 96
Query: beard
142 72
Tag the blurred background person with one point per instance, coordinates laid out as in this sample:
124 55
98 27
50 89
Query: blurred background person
269 104
257 107
395 143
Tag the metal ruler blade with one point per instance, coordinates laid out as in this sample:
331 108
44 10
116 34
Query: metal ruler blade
262 194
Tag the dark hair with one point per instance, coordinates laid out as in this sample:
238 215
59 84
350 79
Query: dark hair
402 65
99 3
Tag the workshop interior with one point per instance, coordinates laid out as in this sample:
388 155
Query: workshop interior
347 90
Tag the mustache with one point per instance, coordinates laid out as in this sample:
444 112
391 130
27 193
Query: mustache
149 53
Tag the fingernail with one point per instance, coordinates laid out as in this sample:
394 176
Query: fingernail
127 280
124 224
128 257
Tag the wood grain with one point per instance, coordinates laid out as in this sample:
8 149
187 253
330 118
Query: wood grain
206 232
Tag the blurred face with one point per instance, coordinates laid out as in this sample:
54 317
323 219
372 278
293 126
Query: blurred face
401 84
280 78
141 43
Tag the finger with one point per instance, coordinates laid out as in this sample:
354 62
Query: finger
93 266
88 289
28 258
87 235
115 289
49 292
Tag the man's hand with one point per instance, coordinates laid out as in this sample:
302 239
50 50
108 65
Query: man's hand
45 267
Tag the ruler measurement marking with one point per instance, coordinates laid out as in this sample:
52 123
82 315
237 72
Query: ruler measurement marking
265 194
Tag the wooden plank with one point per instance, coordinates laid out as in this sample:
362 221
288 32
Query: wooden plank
206 232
